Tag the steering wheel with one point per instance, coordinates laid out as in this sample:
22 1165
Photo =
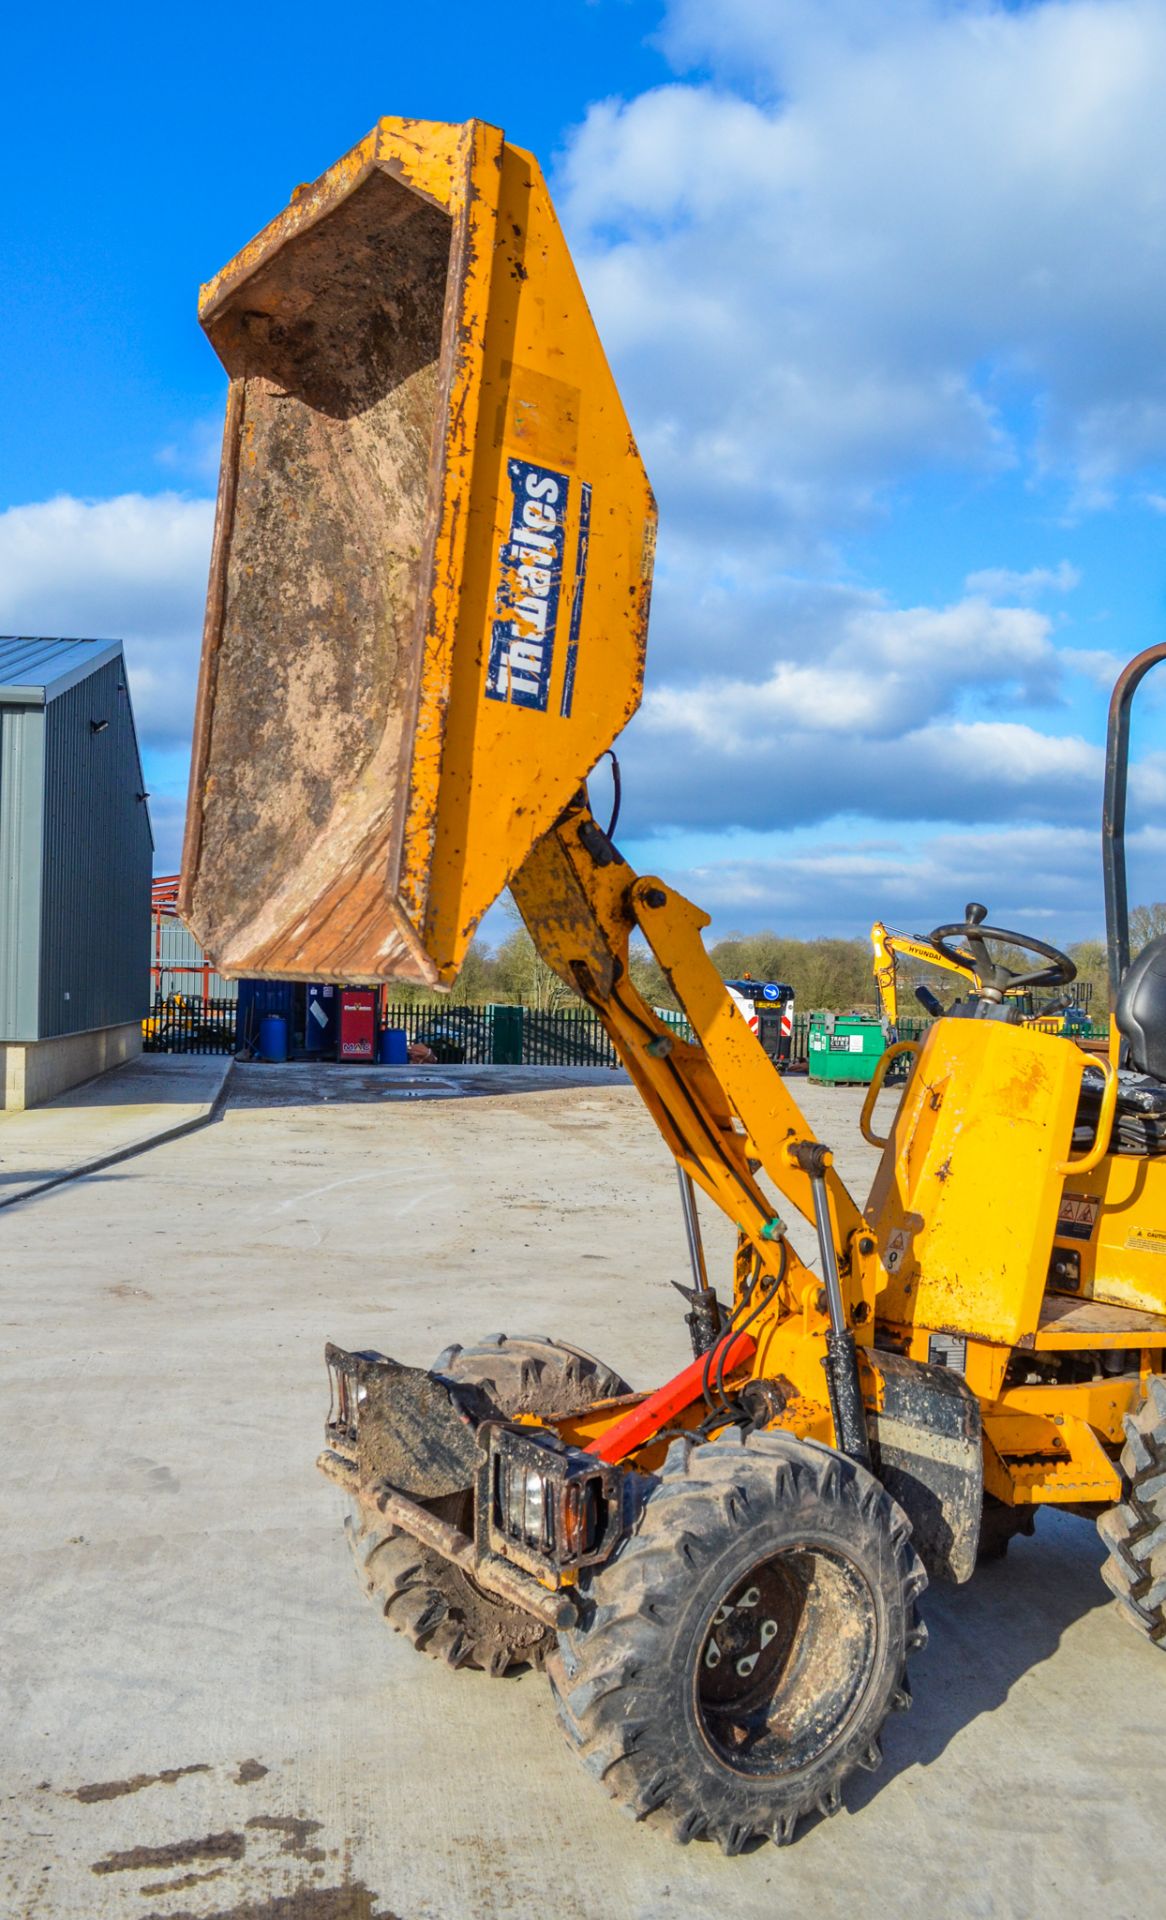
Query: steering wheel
996 980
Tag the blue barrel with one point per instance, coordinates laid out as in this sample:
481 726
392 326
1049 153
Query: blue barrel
273 1037
393 1047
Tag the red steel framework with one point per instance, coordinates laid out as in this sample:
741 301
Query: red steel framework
164 906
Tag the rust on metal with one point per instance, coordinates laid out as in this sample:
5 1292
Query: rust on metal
507 1583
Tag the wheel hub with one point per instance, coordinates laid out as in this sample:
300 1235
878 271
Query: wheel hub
748 1641
784 1661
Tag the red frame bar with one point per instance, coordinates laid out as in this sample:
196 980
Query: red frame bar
646 1420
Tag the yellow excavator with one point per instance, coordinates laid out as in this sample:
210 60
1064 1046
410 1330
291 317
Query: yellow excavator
426 621
887 947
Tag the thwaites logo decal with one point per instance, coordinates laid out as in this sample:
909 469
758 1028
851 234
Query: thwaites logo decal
526 611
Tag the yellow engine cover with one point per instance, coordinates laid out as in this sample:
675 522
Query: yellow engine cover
429 591
966 1198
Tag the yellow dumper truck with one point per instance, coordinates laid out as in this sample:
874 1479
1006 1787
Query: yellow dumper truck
426 621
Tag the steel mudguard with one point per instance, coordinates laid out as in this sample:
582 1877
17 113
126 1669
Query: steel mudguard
402 1425
928 1453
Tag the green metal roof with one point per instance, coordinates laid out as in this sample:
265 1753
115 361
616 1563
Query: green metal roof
35 670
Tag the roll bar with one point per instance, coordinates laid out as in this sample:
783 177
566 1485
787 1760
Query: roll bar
1113 819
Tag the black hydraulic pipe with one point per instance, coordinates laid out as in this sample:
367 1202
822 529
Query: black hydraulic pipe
1113 818
704 1318
841 1362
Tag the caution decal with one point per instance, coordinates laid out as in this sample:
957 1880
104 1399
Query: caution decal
1077 1216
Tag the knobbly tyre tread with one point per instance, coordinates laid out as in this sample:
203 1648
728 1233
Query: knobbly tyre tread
431 1602
437 1608
619 1677
531 1373
1135 1530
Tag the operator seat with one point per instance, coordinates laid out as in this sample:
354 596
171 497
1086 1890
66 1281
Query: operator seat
1140 1012
1139 1121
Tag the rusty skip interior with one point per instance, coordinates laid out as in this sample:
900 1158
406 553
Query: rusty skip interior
320 577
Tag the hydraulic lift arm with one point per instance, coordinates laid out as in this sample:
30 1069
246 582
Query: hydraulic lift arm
720 1105
726 1115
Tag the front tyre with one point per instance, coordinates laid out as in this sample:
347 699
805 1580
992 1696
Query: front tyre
740 1655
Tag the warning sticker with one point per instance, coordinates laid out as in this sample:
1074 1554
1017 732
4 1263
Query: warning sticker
898 1246
1146 1240
1077 1216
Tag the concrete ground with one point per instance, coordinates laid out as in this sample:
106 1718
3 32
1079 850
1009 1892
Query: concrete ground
156 1096
204 1717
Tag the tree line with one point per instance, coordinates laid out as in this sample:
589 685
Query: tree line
830 974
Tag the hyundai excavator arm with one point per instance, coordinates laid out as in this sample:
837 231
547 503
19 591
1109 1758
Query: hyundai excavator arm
887 946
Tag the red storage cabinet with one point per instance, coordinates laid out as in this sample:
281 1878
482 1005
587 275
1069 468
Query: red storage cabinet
358 1023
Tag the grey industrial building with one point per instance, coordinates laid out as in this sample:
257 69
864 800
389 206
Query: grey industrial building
76 851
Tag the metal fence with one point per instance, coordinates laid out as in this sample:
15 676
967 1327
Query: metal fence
567 1038
178 964
506 1036
454 1034
190 1023
477 1036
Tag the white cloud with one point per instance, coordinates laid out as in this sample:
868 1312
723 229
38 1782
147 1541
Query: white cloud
998 583
875 674
683 771
879 243
930 228
132 568
1036 879
1094 664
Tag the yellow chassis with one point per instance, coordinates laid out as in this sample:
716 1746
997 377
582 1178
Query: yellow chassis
732 1124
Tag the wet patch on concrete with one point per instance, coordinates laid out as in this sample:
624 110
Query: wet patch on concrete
353 1901
294 1832
114 1789
178 1853
249 1771
183 1882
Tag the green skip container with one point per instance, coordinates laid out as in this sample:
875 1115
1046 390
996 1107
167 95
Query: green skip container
844 1048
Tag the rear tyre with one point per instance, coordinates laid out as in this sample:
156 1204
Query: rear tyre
1135 1530
530 1373
437 1606
739 1657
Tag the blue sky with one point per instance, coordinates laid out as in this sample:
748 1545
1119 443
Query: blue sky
884 290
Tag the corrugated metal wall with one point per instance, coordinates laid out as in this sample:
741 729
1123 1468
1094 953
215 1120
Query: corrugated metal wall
95 910
21 787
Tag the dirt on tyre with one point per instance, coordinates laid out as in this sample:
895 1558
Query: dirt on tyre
1135 1530
738 1658
437 1606
531 1373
